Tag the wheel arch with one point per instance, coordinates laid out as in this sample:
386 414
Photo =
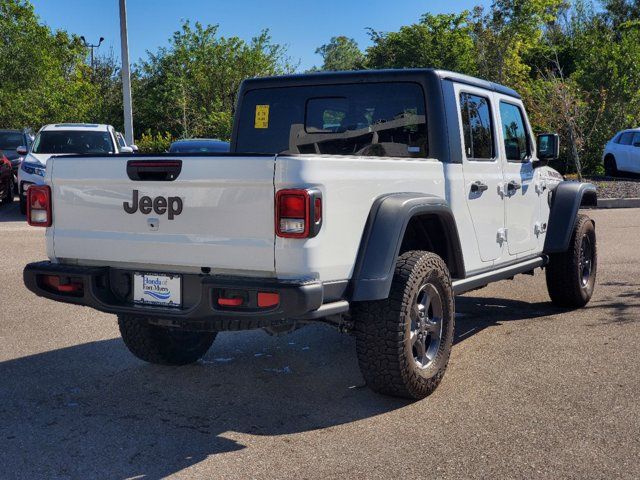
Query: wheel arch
397 223
567 199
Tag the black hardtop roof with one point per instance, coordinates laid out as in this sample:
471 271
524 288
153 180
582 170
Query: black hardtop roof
364 76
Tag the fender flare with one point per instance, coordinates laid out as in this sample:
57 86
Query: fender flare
567 199
383 236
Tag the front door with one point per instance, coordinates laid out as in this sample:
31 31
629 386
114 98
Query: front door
483 176
521 199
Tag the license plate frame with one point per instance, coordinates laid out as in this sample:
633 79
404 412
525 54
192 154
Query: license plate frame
157 289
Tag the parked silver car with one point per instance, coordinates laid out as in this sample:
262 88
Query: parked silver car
622 153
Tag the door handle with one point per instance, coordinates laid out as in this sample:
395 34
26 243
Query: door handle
478 186
513 186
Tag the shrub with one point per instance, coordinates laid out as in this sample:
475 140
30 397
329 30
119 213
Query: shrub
154 143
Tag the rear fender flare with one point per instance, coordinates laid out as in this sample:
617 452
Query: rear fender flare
567 199
383 236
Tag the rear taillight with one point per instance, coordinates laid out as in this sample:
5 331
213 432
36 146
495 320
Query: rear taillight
62 285
39 206
298 213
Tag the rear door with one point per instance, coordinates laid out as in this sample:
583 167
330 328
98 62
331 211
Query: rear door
633 162
521 199
483 173
623 151
216 212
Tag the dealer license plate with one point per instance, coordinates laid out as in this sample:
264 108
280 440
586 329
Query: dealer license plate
155 289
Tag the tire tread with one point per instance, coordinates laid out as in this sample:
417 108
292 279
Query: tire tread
380 326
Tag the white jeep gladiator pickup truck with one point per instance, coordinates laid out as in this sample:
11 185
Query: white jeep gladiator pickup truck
367 200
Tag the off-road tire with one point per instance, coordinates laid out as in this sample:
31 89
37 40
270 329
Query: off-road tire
565 281
610 166
161 345
382 330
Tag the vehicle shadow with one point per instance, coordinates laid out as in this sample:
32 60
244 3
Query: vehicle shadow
11 213
622 307
474 314
92 410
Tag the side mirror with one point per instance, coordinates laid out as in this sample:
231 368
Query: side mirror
134 148
126 150
22 150
548 146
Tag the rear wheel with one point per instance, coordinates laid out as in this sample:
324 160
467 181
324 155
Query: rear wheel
404 342
571 275
161 345
610 166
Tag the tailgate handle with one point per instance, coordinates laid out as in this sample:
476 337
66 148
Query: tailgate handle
154 170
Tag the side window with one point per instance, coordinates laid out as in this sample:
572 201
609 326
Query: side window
636 139
477 127
626 138
516 139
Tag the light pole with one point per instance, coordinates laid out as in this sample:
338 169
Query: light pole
92 46
126 75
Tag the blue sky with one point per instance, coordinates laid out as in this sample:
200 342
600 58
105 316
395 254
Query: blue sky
300 24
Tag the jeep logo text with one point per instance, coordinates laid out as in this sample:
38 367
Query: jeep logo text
160 205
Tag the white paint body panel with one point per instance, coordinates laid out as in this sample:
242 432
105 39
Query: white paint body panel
522 208
349 187
486 209
226 223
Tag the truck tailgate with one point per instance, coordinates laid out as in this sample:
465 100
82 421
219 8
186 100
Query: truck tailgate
225 220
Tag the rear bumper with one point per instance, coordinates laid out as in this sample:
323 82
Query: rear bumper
110 290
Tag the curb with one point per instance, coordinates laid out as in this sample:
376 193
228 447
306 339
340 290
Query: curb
619 203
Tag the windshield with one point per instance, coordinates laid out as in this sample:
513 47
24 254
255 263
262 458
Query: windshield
378 119
73 141
10 140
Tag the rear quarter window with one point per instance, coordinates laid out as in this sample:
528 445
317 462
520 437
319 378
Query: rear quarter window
626 138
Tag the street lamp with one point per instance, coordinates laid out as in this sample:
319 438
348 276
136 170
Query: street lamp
92 46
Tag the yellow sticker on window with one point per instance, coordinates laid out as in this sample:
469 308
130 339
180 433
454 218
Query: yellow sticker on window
262 116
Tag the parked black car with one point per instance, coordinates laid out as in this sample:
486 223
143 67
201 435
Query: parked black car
7 182
10 140
199 145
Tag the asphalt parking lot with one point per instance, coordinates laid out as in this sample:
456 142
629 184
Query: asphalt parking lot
531 391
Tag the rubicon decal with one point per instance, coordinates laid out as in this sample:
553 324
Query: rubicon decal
172 206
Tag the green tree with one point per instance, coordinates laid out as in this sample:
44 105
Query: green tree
341 53
506 36
43 75
609 68
617 12
189 89
438 41
107 92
